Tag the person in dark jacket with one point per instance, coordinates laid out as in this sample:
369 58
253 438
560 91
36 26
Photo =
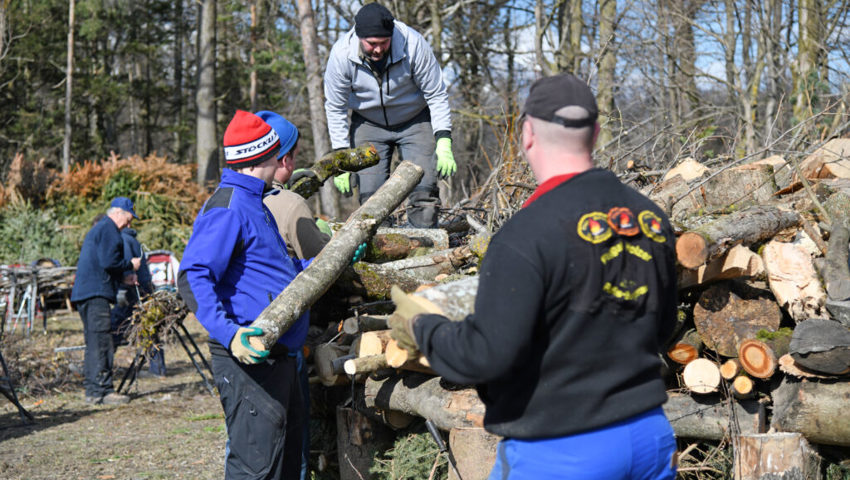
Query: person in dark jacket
577 295
101 268
128 297
234 265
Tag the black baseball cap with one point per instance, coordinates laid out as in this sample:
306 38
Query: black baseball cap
550 94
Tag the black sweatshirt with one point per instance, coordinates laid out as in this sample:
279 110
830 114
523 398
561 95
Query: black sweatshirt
570 313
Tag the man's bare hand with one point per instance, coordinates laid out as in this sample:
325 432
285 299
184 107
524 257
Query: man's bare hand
137 262
131 279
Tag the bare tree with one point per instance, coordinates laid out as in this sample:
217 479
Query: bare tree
207 143
69 75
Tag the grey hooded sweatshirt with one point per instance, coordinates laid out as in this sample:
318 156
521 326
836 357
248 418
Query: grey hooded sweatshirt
411 81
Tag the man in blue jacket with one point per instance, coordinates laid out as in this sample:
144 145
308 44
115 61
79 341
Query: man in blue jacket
101 267
387 75
234 265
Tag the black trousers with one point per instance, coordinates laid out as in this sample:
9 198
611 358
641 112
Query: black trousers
264 414
97 364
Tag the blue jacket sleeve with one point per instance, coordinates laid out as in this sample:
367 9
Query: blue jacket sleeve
204 264
485 346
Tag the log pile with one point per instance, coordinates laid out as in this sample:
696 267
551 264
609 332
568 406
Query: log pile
763 340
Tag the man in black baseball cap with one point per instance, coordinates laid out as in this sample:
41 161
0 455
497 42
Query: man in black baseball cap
586 264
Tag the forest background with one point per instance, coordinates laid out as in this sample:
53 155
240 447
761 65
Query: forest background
106 97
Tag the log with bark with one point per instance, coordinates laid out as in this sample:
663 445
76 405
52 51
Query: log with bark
374 280
364 323
738 262
712 418
772 456
311 283
815 409
749 226
723 319
424 396
793 280
821 345
835 272
391 244
332 163
324 356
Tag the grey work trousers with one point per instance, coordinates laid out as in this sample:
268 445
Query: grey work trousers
264 414
416 143
97 364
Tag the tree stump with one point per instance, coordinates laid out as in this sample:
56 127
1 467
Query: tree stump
774 456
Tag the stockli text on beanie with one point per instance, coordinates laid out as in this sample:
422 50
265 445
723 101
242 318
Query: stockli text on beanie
249 141
373 20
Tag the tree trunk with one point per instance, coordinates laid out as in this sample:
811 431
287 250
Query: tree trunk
252 76
314 281
315 94
423 396
749 226
205 125
815 409
709 418
607 66
772 456
69 76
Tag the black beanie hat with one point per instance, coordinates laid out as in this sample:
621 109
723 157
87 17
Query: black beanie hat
373 20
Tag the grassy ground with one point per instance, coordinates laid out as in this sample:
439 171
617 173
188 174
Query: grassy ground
172 428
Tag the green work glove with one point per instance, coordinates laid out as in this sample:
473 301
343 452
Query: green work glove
324 227
446 165
358 254
342 182
246 348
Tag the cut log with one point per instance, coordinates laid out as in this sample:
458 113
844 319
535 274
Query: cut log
314 281
398 357
743 387
332 163
836 273
686 348
689 169
369 364
455 299
391 418
364 323
373 343
701 376
738 262
474 450
828 161
723 319
323 357
793 280
815 409
748 226
772 456
782 170
730 369
759 356
710 418
391 244
675 197
790 367
822 346
423 396
750 184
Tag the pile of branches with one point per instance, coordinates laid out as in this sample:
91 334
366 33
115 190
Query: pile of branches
154 318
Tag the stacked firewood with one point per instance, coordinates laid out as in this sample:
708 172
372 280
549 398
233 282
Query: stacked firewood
50 280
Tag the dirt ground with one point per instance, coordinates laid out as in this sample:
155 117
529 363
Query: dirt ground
172 428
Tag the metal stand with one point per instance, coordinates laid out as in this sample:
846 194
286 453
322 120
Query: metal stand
7 388
191 349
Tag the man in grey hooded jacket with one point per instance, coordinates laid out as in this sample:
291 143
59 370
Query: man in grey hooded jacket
387 75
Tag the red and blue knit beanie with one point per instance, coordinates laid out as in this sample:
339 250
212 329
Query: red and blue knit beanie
249 141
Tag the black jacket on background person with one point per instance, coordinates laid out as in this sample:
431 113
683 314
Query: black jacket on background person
570 314
102 263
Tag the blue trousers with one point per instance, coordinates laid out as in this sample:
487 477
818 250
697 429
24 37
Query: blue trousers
638 448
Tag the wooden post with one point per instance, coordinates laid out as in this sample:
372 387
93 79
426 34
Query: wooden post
771 456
